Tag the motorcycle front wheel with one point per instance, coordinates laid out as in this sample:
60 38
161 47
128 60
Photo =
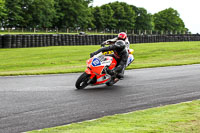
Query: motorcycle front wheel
82 81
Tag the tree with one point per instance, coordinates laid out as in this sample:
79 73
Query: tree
107 17
168 20
30 13
3 13
144 20
98 16
73 13
77 14
42 13
116 15
124 15
14 12
26 13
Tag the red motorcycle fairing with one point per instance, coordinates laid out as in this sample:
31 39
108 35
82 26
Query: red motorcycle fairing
97 70
100 82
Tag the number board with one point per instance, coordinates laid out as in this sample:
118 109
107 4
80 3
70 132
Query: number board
96 62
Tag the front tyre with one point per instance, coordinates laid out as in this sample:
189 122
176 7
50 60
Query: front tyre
82 81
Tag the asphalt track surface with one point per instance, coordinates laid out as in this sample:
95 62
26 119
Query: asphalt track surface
36 102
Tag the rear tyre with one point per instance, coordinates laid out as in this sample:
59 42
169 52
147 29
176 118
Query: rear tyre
82 81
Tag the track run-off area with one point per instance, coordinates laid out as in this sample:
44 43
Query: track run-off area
36 102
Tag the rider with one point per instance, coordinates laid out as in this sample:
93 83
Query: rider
120 54
121 36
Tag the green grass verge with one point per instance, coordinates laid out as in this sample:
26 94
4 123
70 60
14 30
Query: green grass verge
67 59
179 118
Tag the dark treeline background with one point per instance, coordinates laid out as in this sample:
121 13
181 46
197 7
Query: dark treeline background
81 15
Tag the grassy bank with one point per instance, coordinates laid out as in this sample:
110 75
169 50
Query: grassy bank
180 118
65 59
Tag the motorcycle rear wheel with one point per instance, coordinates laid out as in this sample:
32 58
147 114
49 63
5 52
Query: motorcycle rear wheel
82 81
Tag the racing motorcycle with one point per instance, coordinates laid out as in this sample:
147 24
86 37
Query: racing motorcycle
96 72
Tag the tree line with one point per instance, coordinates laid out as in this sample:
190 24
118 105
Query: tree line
80 14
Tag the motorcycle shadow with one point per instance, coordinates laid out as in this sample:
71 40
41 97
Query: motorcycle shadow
101 88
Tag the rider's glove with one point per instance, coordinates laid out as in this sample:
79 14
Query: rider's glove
92 54
102 45
105 43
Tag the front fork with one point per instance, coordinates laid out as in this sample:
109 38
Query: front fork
88 71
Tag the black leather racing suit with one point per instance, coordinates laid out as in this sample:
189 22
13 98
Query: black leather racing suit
121 57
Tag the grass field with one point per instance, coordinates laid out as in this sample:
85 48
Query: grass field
66 59
179 118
